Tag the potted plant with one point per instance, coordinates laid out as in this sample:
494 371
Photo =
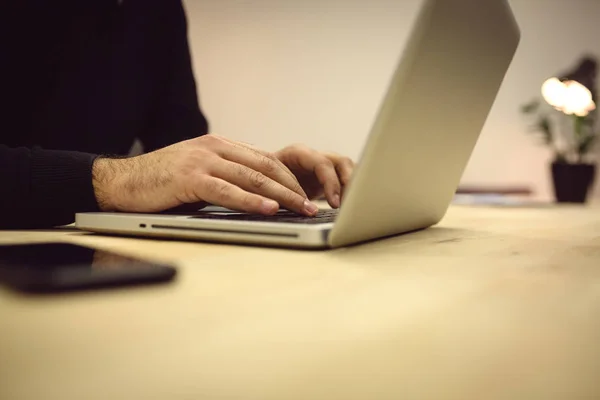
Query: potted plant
567 125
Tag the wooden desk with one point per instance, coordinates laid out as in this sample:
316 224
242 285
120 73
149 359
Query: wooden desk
492 304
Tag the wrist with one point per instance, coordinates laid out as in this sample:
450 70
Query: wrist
105 180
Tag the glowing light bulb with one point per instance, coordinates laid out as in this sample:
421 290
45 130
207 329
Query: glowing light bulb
570 97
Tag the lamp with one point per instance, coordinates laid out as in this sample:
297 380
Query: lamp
585 73
574 92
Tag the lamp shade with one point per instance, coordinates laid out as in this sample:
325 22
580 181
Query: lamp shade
570 97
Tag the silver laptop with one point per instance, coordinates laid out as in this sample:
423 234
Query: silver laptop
422 138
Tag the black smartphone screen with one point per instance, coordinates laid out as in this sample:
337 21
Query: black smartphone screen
51 267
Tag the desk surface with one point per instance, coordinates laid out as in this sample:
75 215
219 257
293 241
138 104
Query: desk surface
490 304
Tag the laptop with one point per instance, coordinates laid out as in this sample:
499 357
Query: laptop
427 125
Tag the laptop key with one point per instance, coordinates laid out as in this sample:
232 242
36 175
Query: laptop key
324 216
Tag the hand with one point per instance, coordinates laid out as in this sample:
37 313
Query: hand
208 169
318 173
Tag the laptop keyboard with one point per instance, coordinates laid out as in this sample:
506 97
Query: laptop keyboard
324 216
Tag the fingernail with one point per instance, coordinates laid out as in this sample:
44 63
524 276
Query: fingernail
336 200
310 208
269 207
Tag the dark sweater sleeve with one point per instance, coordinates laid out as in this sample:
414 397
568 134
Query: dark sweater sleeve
44 188
177 113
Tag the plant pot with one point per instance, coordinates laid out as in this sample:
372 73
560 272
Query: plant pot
572 182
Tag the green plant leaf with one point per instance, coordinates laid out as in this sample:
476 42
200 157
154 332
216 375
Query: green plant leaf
578 125
530 107
585 144
545 127
589 121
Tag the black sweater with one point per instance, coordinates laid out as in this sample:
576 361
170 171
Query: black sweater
80 78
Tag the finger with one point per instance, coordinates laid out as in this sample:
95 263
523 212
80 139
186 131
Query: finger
264 153
312 161
328 177
261 163
220 192
343 166
256 182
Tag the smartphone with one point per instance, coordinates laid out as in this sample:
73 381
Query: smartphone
52 267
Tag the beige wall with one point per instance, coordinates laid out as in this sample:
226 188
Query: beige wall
273 72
